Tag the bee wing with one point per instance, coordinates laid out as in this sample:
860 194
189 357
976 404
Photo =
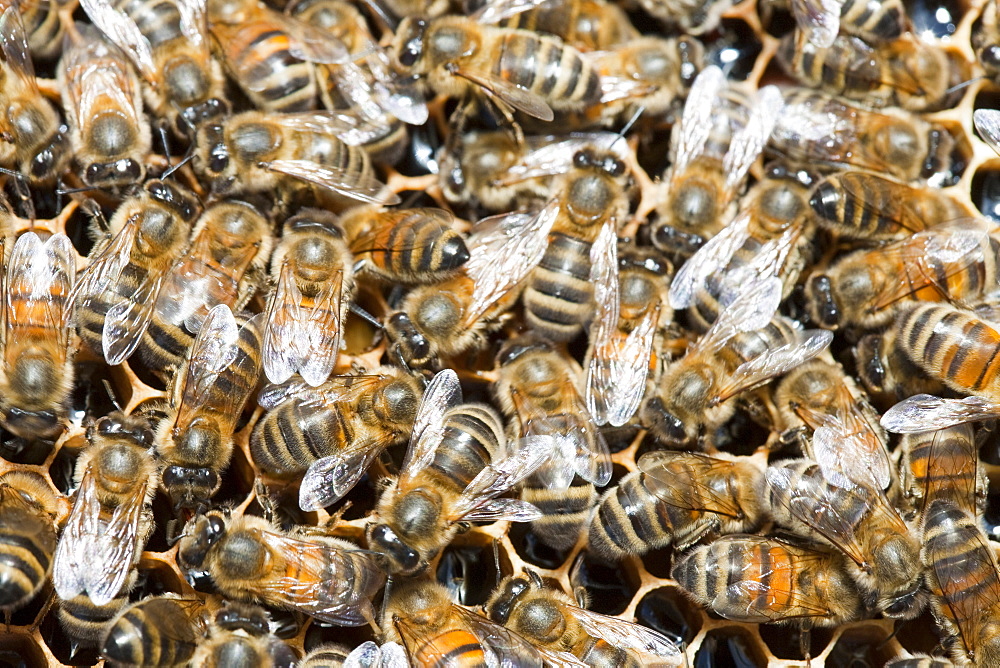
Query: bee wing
114 549
214 349
348 129
498 478
321 584
368 241
104 270
945 464
853 185
748 142
509 649
661 481
127 320
819 20
398 95
988 126
309 43
335 390
123 32
496 11
750 309
626 635
95 82
443 393
502 252
333 179
695 126
284 339
848 445
74 552
329 478
370 655
14 46
712 258
555 156
775 362
194 21
509 93
924 412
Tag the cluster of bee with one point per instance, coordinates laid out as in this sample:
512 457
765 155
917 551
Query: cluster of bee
427 260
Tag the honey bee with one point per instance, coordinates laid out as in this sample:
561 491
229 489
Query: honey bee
29 508
366 655
454 469
906 72
710 159
858 205
241 635
681 497
225 264
195 441
746 346
313 274
347 419
169 45
157 631
943 464
43 26
553 621
985 42
94 565
867 288
34 139
250 559
517 69
842 136
762 580
841 500
257 152
885 370
695 17
38 343
874 21
405 245
589 25
101 95
437 633
117 292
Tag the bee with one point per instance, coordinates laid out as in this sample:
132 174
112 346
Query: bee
589 25
225 264
34 139
905 72
841 500
101 95
313 273
38 343
885 370
169 45
111 519
553 621
250 559
964 583
746 346
681 497
874 21
157 631
257 152
985 42
867 288
436 632
754 579
405 245
44 28
346 419
453 470
943 464
118 290
710 159
195 440
537 385
858 205
695 17
842 136
28 534
518 69
241 635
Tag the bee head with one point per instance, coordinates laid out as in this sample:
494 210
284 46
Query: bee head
409 46
203 532
402 558
508 595
116 173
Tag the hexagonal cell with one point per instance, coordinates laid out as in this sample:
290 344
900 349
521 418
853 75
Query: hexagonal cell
918 635
741 435
670 612
470 572
734 48
531 548
610 588
861 647
934 18
659 562
991 516
20 651
960 157
730 647
320 634
60 645
157 577
236 481
985 191
787 642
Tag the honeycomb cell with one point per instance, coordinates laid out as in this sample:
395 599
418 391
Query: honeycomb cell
420 157
786 642
658 562
934 18
986 190
861 647
531 548
668 611
470 572
918 635
730 647
20 651
734 49
610 588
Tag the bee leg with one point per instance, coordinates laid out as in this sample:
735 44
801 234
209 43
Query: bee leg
805 641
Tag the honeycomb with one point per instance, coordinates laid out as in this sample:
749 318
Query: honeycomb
640 588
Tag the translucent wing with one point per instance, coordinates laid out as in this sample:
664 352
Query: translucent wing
334 179
988 125
348 129
496 11
848 445
105 269
74 551
661 480
749 141
14 46
310 43
127 320
400 96
751 309
924 412
98 77
712 258
335 390
775 362
502 252
601 377
695 125
554 156
516 96
329 478
443 393
819 20
855 186
626 635
123 32
114 547
500 477
510 649
370 655
193 20
617 371
214 349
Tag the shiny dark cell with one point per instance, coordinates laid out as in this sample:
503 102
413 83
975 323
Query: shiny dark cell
470 573
666 611
729 648
609 590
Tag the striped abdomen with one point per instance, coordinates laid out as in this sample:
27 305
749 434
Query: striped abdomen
159 21
44 28
473 434
559 297
630 520
410 245
838 69
292 436
953 346
154 632
259 56
874 20
942 465
565 513
27 543
453 648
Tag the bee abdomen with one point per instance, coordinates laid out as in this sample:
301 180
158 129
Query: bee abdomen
565 513
159 21
24 563
281 82
951 345
290 438
547 67
558 299
472 434
629 520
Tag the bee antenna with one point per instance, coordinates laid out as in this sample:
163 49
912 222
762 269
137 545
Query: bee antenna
186 159
383 13
632 121
386 592
111 395
964 84
73 191
366 316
